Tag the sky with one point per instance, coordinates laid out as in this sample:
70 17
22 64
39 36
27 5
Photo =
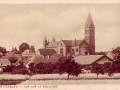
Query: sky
30 23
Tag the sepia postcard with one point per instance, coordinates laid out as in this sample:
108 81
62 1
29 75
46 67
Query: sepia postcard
59 44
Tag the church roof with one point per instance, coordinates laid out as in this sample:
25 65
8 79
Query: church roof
45 39
89 22
72 42
53 39
52 44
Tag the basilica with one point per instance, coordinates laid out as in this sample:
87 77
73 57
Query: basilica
75 47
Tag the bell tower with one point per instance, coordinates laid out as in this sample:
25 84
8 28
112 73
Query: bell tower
90 34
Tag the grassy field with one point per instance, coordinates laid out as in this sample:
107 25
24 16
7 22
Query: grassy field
10 79
56 79
69 82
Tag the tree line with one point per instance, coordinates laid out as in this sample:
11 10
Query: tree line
65 65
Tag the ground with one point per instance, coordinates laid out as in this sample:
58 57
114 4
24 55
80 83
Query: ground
56 79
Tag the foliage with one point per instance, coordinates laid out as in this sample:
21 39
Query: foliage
8 69
31 68
108 68
23 47
69 66
116 51
44 68
32 48
100 53
3 50
12 59
97 68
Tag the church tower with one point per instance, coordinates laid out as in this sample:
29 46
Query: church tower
45 42
53 39
90 34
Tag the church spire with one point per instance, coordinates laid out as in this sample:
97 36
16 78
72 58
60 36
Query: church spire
45 42
45 39
53 39
89 22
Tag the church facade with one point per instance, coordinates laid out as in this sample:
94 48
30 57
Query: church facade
75 47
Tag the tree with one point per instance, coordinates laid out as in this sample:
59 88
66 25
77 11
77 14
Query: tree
31 68
97 68
69 66
108 68
12 60
23 47
32 48
3 50
44 68
116 52
20 68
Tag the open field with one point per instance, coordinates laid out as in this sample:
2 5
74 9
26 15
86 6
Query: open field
69 82
10 79
64 76
56 79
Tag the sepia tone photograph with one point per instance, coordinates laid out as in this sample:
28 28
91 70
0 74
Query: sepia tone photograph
59 44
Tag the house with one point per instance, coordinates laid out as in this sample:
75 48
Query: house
3 63
87 60
75 47
90 59
27 54
38 58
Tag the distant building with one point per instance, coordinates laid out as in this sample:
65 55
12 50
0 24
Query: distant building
4 62
90 59
75 47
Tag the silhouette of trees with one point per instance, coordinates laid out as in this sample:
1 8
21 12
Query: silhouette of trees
69 66
97 68
23 47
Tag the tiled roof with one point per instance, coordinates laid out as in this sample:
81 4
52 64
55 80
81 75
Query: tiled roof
17 55
72 42
87 59
57 56
4 57
4 62
39 59
52 44
110 54
47 51
26 62
9 53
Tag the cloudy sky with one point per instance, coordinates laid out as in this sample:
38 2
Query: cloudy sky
30 23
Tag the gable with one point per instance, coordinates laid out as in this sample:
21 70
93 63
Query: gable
61 44
52 45
103 60
84 44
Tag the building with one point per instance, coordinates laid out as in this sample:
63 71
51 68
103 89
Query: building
88 60
4 62
75 47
